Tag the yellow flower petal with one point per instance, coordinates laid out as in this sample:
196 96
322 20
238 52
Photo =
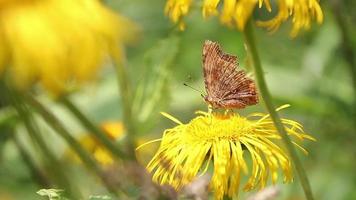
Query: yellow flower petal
301 11
209 8
60 44
227 13
226 140
243 11
238 12
177 9
114 130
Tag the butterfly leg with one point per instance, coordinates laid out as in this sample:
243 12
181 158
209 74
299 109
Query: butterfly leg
227 111
210 109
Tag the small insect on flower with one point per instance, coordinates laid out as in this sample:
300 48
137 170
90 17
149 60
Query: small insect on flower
187 150
226 86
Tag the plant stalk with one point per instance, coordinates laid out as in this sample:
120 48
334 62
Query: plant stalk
52 120
251 46
93 129
56 168
348 51
37 174
126 102
126 96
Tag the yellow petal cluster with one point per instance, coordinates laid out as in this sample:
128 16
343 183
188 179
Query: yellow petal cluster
114 130
177 9
234 144
302 13
238 12
58 43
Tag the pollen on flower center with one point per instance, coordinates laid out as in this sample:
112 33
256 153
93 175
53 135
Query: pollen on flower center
218 126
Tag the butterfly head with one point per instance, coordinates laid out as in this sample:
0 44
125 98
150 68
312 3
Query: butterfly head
213 102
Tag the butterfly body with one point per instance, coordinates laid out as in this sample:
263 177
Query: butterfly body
226 86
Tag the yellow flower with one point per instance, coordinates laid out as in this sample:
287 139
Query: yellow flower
115 130
226 140
60 44
176 9
237 12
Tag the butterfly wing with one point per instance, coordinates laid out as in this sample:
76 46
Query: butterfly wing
226 86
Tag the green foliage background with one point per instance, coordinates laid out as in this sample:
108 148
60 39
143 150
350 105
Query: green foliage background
309 72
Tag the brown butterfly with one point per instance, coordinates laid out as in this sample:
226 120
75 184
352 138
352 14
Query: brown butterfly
226 86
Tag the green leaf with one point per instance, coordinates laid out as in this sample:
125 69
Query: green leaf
152 93
52 194
99 197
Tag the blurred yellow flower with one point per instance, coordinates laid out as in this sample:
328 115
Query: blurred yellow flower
60 44
237 12
224 139
176 9
115 130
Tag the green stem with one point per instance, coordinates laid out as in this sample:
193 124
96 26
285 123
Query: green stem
251 46
64 133
128 119
346 43
348 51
93 129
54 166
36 172
126 102
8 117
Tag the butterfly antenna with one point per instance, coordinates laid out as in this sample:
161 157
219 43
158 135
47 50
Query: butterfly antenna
201 93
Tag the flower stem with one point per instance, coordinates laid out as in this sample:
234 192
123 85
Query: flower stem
126 96
37 174
126 101
56 168
251 46
227 198
92 128
71 141
348 51
346 42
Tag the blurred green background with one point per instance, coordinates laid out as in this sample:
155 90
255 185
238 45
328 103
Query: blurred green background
313 72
